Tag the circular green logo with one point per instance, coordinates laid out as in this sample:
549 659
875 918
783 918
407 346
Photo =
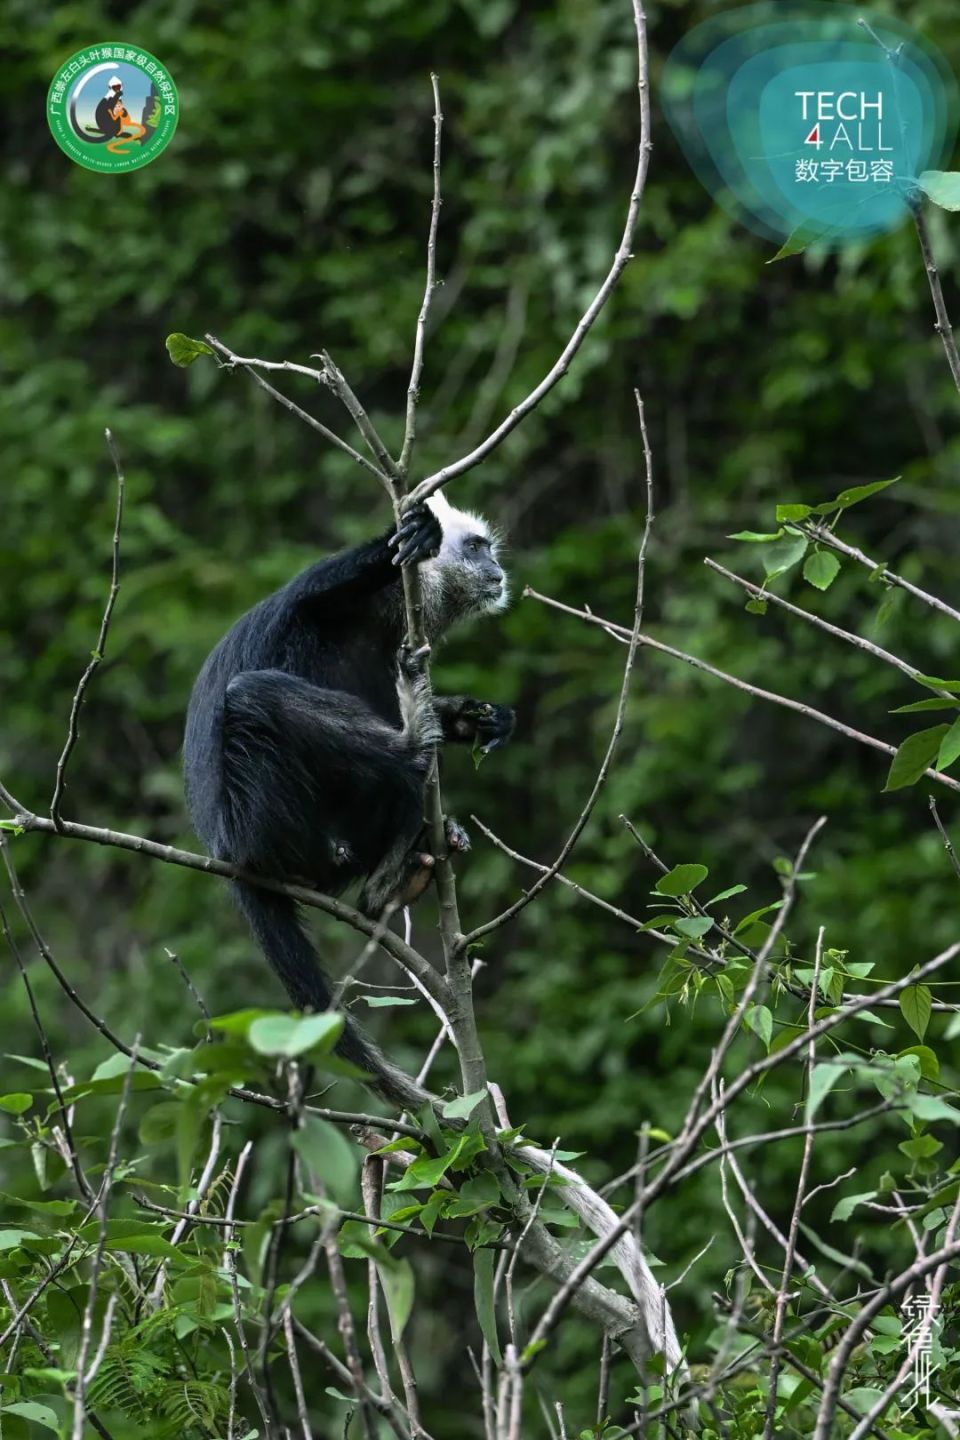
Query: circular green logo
112 107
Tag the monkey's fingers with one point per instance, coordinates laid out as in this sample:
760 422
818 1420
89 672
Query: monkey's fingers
495 729
418 535
421 545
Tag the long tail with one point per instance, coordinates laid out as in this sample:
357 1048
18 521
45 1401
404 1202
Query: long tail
273 920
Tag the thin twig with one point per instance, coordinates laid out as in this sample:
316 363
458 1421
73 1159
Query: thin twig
688 1139
96 1264
409 958
416 370
603 773
230 1265
861 1322
878 570
848 636
98 653
780 1313
947 842
68 1145
620 632
254 365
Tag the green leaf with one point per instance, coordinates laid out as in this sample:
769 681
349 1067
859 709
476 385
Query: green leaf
854 495
914 756
681 880
949 746
380 1002
463 1106
484 1303
147 1243
35 1412
16 1103
921 705
863 1398
238 1022
755 537
936 683
289 1036
759 1019
11 1239
931 1108
725 895
329 1155
756 606
821 569
160 1123
183 351
942 187
427 1171
921 1147
476 1194
822 1081
916 1007
42 1207
805 234
693 926
844 1208
396 1277
929 1064
783 554
794 512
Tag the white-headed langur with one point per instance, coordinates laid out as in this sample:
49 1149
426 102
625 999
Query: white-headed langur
311 731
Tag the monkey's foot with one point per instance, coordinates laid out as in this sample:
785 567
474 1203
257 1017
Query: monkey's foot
413 663
458 841
416 878
418 537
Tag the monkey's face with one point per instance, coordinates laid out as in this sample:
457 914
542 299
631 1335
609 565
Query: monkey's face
466 577
483 575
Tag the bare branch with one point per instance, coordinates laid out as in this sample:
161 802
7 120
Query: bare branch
254 365
825 536
868 646
620 633
404 954
490 925
416 371
780 1313
98 653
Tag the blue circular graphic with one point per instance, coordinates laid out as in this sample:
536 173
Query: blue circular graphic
811 119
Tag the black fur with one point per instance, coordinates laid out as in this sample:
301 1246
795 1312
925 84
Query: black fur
307 746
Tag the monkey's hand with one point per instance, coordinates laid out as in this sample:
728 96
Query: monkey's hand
475 722
418 536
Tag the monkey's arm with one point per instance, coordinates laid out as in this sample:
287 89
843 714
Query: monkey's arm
467 721
337 583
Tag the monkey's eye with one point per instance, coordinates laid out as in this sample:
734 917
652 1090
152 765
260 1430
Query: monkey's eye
474 544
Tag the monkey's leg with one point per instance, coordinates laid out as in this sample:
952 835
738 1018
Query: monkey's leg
467 721
315 784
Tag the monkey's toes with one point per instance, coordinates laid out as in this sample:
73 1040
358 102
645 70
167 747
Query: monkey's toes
457 838
417 880
414 661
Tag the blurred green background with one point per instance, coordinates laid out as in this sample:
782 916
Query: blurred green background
290 213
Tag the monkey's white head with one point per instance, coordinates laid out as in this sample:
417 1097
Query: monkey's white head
466 577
